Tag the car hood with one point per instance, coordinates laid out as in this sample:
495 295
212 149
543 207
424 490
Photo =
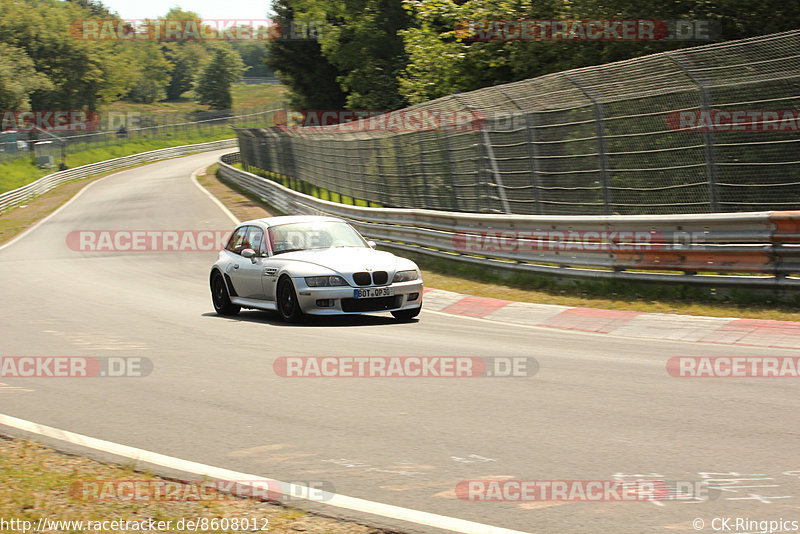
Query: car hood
346 259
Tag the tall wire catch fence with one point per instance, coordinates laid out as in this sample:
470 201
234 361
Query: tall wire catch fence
697 130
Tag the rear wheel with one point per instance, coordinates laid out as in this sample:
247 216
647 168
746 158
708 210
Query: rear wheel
288 306
219 294
406 315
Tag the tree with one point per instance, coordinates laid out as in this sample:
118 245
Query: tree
187 59
254 55
153 77
440 62
18 78
214 84
300 64
94 7
81 73
364 45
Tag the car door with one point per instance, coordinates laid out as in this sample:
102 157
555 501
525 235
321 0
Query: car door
245 273
269 270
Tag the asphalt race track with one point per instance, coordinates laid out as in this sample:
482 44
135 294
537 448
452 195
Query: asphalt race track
599 407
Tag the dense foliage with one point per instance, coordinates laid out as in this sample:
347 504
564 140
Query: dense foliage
390 53
44 66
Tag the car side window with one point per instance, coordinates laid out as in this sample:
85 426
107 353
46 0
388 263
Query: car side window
255 236
237 240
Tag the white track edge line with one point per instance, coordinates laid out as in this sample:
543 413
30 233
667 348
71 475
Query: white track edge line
64 205
213 198
332 499
90 184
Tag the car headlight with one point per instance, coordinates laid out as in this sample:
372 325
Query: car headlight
325 281
405 276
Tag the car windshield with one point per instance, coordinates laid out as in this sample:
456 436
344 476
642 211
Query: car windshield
313 235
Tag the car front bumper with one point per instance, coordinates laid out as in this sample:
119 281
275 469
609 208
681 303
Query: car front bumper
340 300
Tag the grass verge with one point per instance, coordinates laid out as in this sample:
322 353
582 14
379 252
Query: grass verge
21 217
309 189
19 172
37 482
244 97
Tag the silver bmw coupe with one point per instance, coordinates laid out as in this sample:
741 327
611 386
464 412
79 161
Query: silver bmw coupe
311 265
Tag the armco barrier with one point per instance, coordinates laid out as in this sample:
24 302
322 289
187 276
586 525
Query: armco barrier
46 183
753 250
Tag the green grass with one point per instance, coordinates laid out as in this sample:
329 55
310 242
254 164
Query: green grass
310 189
258 95
244 97
19 172
37 482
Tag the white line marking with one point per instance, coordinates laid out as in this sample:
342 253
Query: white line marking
6 387
214 199
67 203
332 499
87 186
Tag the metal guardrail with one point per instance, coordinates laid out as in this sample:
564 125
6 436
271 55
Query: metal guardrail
46 183
115 128
746 250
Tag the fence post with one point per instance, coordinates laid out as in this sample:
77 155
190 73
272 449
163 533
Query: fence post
533 155
708 139
402 176
449 149
498 180
601 141
381 181
423 167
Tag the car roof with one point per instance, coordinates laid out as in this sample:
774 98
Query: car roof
287 219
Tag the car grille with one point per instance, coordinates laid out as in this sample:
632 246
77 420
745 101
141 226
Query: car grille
378 278
362 279
375 304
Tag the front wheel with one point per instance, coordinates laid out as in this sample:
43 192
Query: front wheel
288 306
406 315
219 294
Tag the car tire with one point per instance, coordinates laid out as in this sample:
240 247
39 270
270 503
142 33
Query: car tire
288 306
220 297
406 315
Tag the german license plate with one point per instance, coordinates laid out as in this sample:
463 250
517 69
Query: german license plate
373 292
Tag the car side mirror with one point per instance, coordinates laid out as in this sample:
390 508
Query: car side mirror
249 253
371 244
